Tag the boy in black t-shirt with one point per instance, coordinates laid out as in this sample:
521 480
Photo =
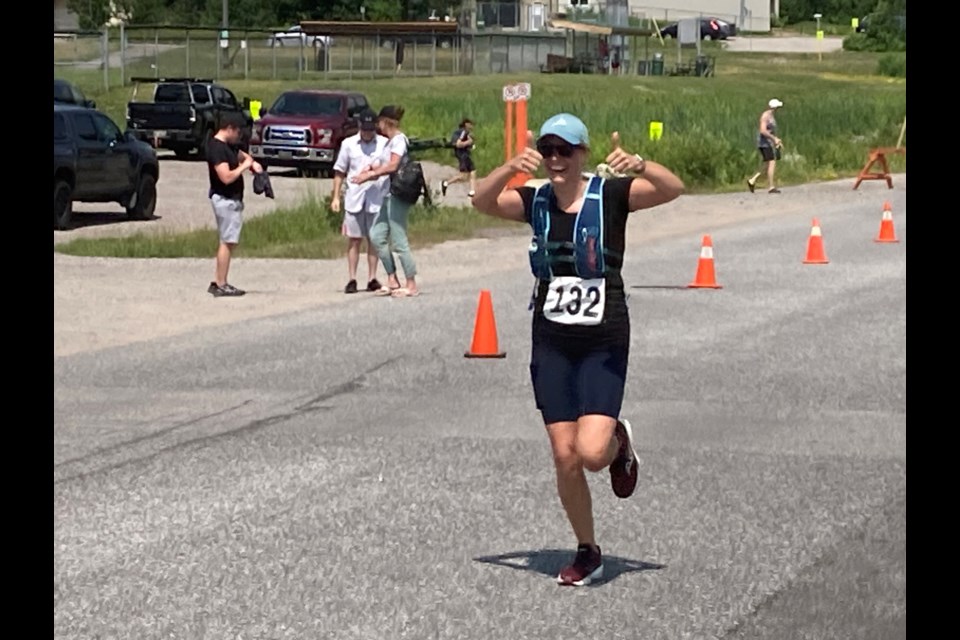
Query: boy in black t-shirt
226 165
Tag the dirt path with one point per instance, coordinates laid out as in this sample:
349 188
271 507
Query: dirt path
98 302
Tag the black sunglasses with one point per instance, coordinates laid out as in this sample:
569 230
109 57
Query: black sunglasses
562 149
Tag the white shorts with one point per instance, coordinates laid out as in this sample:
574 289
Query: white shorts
229 215
358 225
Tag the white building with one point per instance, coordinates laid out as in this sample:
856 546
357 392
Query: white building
756 14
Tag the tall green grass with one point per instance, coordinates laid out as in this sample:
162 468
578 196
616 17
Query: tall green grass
835 110
309 230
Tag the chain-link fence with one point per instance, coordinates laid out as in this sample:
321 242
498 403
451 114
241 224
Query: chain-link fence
113 56
116 55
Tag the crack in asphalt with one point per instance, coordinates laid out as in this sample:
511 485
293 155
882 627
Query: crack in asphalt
767 602
151 436
312 405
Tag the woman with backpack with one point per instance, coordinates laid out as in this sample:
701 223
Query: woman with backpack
389 232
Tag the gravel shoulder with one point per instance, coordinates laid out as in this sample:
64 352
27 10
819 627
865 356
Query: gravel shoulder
108 302
182 203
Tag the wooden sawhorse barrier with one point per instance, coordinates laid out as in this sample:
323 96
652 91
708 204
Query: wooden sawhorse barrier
879 155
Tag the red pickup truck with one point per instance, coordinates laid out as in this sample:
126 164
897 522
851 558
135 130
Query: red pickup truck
303 129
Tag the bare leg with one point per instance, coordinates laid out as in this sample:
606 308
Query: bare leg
372 260
588 444
771 168
224 253
572 484
353 256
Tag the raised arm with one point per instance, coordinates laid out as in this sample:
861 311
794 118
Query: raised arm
492 196
653 185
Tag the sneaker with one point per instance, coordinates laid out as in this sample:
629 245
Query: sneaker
351 287
471 193
374 285
774 190
586 568
751 185
443 187
623 470
230 290
214 290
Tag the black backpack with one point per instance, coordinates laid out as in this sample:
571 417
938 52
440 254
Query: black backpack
407 182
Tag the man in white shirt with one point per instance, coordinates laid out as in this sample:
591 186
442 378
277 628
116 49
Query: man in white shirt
361 202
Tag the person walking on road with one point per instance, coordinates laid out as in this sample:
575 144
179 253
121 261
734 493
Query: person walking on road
389 232
769 146
226 164
581 326
361 202
462 147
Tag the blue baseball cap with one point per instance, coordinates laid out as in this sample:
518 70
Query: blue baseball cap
568 127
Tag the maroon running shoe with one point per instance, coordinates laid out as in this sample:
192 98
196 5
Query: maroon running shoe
623 470
587 567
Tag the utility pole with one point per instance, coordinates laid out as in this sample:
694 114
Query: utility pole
226 14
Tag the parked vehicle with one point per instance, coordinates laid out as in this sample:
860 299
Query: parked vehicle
65 92
184 113
93 161
710 29
864 23
294 37
303 129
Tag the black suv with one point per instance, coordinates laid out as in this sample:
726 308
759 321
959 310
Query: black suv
65 92
93 161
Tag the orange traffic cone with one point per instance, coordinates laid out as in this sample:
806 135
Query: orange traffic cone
706 278
815 253
485 331
887 234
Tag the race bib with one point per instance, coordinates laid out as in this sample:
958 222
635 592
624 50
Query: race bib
572 300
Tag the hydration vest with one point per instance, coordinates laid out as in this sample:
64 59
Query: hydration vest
589 256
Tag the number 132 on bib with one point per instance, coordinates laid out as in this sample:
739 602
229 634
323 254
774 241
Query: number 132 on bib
572 300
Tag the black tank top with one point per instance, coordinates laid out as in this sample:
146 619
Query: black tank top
615 326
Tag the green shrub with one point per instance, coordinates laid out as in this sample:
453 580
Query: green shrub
892 65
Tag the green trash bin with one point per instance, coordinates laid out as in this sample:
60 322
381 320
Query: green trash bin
656 65
701 65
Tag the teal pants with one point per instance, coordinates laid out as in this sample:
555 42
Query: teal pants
389 234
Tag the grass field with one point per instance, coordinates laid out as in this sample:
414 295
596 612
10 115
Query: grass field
309 231
835 111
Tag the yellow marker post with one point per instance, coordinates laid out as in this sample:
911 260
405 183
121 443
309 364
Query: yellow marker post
854 23
255 106
820 46
656 130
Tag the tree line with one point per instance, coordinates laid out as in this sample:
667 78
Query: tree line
251 13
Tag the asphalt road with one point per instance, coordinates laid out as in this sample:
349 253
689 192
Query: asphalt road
344 472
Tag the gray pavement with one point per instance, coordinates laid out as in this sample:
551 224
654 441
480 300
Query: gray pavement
784 44
343 472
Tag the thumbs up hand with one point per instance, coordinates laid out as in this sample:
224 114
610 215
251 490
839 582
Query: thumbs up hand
620 161
528 161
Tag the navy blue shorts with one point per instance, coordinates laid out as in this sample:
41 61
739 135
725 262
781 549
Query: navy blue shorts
573 378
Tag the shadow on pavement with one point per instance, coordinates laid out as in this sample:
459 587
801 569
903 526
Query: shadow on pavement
549 562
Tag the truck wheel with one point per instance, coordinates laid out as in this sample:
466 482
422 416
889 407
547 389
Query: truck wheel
145 201
62 205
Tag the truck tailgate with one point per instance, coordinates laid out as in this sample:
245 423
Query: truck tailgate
160 115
